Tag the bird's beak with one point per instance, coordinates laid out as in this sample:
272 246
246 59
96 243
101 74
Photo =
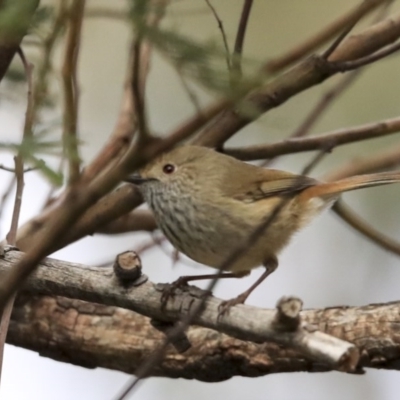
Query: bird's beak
137 179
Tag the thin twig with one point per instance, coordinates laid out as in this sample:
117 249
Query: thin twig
363 61
240 35
379 238
341 37
223 34
138 92
11 239
19 173
8 169
11 236
330 139
71 90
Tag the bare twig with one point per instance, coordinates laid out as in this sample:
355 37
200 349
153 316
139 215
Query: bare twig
363 61
332 139
345 32
240 35
8 169
19 173
138 92
223 34
71 90
11 237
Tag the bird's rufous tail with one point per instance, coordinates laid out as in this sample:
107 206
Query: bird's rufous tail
353 183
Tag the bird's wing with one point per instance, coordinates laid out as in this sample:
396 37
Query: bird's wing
268 182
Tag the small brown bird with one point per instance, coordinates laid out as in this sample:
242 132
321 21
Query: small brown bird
208 204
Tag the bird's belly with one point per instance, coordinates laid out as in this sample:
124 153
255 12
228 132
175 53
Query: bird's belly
214 245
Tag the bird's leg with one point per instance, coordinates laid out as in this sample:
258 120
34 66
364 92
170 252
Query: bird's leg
270 266
183 281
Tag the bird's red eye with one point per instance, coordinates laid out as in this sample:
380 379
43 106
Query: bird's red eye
168 168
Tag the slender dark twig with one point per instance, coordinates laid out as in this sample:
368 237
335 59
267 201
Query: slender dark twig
137 93
361 62
325 55
71 90
8 169
338 137
222 29
241 32
19 177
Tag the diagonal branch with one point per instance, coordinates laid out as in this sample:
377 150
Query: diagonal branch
331 139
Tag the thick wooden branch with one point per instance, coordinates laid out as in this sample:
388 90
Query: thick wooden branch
243 322
93 335
101 335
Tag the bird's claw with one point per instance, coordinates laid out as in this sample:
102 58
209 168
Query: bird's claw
169 291
225 306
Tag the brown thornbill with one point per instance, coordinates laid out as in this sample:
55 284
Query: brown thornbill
208 204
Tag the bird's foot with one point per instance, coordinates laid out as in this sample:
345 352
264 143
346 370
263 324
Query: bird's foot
225 306
170 289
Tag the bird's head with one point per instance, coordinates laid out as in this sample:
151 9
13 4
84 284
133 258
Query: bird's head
183 166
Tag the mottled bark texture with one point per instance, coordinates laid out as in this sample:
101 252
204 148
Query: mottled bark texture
93 335
100 335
